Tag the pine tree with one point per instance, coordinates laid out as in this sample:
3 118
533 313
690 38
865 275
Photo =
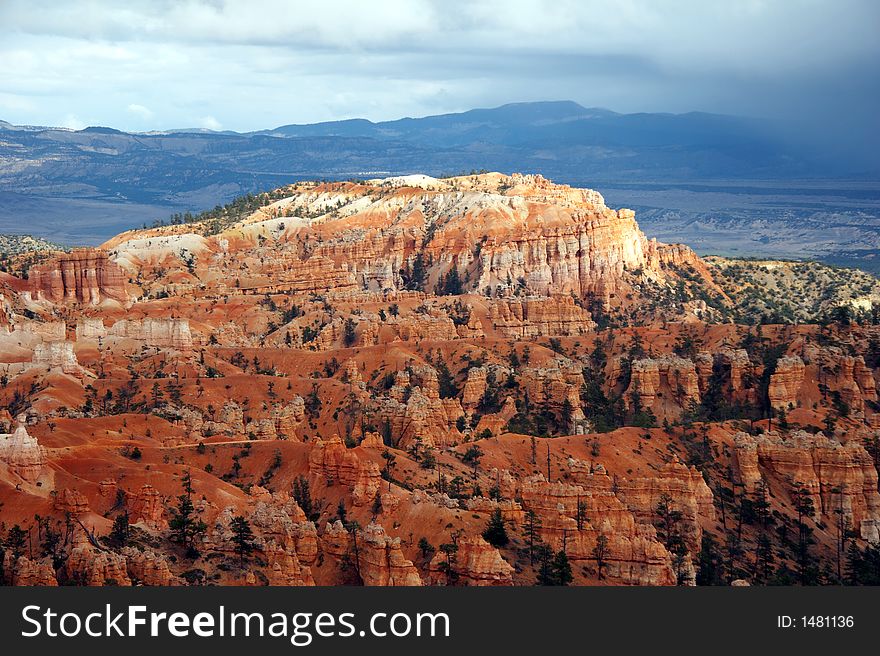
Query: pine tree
532 532
425 547
763 558
580 514
242 537
16 539
185 525
546 575
803 504
561 569
446 382
121 531
496 532
450 284
449 549
853 564
711 563
600 552
349 336
669 520
303 496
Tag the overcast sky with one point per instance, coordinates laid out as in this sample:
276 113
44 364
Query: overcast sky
253 64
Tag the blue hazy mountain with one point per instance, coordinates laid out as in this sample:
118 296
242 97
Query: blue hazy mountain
160 172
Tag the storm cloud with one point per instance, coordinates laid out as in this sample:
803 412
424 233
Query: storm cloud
810 64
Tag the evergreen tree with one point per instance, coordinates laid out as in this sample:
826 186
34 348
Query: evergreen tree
450 284
445 380
121 531
495 532
546 575
413 276
426 548
303 496
711 562
16 539
242 537
185 524
532 532
803 504
763 558
449 549
349 337
472 457
600 552
561 569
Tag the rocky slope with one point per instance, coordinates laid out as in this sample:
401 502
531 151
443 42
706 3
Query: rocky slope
420 381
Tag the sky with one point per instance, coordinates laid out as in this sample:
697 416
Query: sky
255 64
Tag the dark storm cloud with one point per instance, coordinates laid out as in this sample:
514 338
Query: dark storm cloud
259 63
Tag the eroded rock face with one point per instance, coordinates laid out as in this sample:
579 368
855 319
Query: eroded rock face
23 571
84 276
474 387
285 568
330 460
476 562
554 382
523 318
511 510
665 384
415 411
170 333
282 422
88 565
684 487
381 560
496 422
57 355
785 382
855 383
148 507
148 568
72 502
283 523
729 369
838 477
23 455
634 555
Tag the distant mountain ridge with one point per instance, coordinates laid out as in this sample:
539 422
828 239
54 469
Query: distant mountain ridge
194 169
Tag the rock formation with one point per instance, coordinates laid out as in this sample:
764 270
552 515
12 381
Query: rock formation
475 562
88 565
635 556
59 356
785 382
523 318
148 507
332 462
666 385
26 572
381 560
23 455
171 333
71 502
838 477
82 276
148 568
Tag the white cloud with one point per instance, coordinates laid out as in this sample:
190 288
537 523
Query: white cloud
72 122
210 123
140 111
255 64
